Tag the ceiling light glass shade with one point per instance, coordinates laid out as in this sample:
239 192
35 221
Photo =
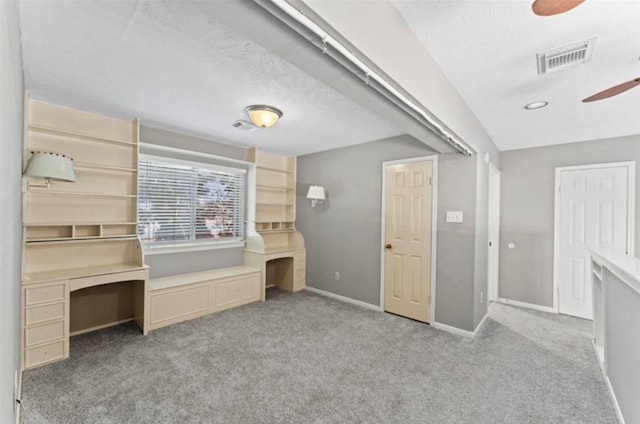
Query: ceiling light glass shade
50 165
316 192
263 116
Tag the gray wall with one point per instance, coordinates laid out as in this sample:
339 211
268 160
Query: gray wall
455 261
527 210
622 339
343 235
11 121
179 263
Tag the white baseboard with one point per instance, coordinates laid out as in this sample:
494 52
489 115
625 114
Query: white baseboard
18 406
482 322
460 332
344 299
453 330
525 305
616 405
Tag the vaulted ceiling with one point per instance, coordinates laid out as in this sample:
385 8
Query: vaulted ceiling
488 50
171 65
180 65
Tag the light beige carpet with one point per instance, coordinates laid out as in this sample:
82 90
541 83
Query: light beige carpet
303 358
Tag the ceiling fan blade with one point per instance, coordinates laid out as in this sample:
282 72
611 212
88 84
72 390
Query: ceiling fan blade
613 91
553 7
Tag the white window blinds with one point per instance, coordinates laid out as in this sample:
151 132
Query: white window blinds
183 202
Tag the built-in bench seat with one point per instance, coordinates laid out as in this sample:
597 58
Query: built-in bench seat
186 296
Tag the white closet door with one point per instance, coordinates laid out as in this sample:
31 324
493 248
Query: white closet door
593 212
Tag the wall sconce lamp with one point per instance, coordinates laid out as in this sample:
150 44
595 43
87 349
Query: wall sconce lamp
263 116
51 166
316 194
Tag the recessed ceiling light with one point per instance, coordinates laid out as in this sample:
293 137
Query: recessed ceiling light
536 105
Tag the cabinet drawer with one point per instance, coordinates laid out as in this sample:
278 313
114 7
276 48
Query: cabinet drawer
44 333
44 294
42 354
36 314
237 291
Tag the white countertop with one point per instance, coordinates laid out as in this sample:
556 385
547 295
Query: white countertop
625 267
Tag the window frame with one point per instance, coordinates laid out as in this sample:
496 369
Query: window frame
154 248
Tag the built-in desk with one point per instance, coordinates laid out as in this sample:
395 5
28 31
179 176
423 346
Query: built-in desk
82 262
47 308
616 326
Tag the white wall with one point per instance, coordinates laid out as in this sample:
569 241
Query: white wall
11 122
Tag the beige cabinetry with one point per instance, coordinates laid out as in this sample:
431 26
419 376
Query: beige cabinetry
81 234
276 247
45 313
187 296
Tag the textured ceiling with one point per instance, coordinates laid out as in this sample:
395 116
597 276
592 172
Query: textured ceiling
169 64
488 50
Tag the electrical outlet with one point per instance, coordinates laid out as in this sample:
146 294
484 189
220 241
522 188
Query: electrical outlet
337 275
481 297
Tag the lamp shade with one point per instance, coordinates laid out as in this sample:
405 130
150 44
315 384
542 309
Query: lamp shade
315 192
50 165
263 116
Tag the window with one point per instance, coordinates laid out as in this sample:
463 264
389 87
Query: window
182 202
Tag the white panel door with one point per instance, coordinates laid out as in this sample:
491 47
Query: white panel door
407 263
593 212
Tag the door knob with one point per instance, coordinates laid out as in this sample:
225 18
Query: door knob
388 246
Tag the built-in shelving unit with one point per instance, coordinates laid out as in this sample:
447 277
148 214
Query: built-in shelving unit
279 250
77 234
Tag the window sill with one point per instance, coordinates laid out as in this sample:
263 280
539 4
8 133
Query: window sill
192 247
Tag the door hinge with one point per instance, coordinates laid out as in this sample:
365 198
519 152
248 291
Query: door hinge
559 189
430 181
490 244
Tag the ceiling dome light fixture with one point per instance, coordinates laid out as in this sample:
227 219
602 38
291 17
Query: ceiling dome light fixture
263 116
536 105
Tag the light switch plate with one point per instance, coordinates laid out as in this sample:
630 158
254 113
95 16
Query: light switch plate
454 217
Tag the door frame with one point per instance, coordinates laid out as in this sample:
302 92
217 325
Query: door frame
434 225
631 208
493 279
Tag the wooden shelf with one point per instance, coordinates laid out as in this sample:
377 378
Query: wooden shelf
63 274
274 187
280 249
61 224
57 131
77 193
268 168
82 234
104 167
80 239
275 203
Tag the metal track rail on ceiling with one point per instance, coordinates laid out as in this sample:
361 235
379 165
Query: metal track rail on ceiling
351 61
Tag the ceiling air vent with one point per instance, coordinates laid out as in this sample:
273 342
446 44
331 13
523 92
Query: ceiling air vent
244 125
566 57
